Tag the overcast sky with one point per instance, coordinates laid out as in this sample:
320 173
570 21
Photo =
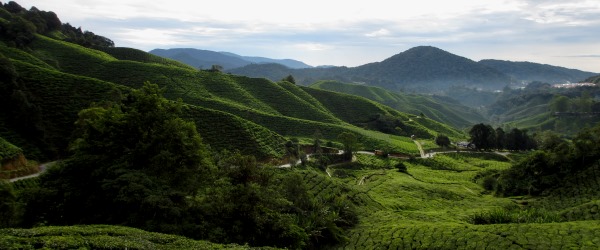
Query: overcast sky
351 33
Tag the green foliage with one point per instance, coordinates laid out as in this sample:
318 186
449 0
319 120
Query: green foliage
271 207
442 140
138 156
350 143
25 184
559 104
8 150
543 170
289 79
483 136
84 38
99 237
8 205
515 215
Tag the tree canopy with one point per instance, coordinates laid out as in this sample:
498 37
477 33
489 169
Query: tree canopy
133 163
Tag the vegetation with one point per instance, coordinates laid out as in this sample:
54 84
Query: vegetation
439 108
442 140
544 169
8 150
197 155
485 138
540 107
99 237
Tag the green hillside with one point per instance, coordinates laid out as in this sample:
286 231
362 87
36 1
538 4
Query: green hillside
283 108
534 108
365 113
431 206
140 56
439 108
196 153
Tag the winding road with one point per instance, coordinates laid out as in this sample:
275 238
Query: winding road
42 167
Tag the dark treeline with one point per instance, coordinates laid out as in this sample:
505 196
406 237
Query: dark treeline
485 137
22 25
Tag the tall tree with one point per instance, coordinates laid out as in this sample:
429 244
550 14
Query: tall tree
350 143
500 138
442 140
483 136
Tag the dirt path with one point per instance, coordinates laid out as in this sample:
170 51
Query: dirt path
423 155
43 168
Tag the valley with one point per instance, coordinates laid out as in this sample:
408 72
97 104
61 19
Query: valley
170 150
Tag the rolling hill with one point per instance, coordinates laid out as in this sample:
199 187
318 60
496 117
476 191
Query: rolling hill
253 114
528 72
436 107
370 202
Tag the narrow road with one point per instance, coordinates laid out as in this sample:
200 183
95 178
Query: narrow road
420 149
43 168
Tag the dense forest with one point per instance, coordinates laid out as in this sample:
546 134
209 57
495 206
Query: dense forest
137 151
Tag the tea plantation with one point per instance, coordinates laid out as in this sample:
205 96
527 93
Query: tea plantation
433 203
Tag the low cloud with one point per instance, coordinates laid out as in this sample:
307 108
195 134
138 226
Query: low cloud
380 32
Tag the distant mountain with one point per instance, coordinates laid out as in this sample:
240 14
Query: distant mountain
206 58
423 69
426 66
527 71
290 63
201 58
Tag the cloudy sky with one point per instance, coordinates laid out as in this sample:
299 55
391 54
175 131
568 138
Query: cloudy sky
351 33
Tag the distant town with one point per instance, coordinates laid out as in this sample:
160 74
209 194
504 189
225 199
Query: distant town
572 85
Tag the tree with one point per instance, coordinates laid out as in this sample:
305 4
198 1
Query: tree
442 140
350 143
549 140
290 79
8 205
483 136
216 68
317 142
137 156
560 103
500 138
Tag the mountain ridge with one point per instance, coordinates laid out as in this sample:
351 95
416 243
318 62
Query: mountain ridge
204 59
419 69
524 71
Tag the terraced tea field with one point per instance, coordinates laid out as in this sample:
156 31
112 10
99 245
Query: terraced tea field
432 206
